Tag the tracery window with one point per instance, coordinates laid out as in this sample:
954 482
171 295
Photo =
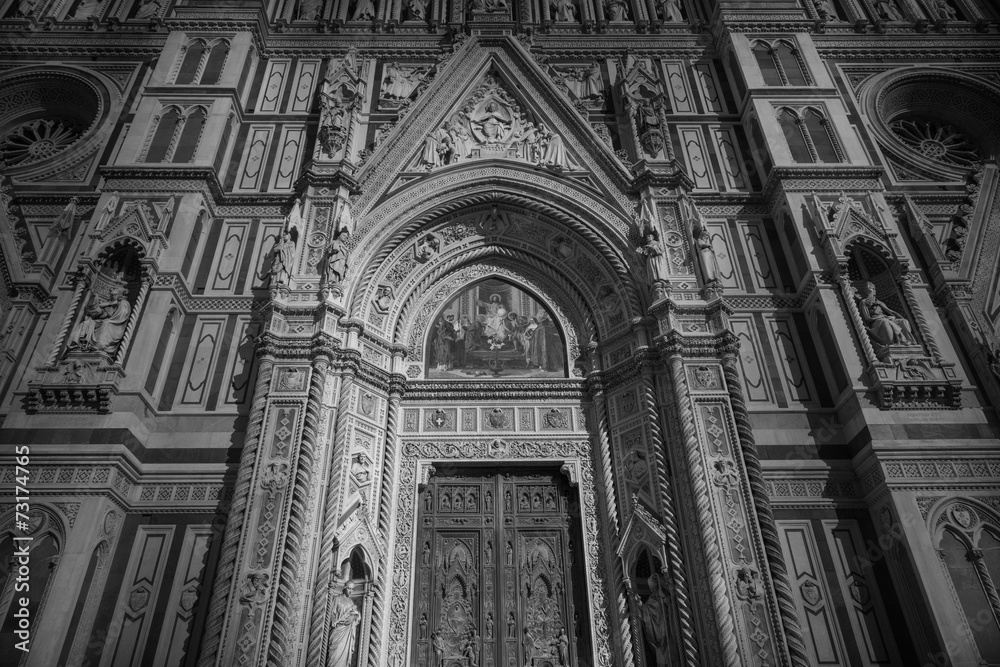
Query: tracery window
969 547
176 135
809 135
781 64
202 62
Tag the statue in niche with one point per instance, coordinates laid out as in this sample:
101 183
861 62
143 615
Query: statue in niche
617 10
147 9
943 10
335 267
889 10
655 615
702 242
103 324
364 10
332 120
651 249
344 619
86 9
108 211
826 10
437 643
309 10
564 10
562 647
885 326
647 122
670 11
416 10
282 258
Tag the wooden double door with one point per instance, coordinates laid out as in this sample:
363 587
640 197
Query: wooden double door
500 574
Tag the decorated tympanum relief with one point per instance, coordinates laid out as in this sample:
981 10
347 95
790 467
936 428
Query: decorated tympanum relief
494 329
493 124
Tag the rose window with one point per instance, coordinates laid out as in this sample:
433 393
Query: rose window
39 139
936 141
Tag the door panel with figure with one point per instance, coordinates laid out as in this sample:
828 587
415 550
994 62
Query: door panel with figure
499 571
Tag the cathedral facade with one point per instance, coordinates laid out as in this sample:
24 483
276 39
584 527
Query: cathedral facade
483 333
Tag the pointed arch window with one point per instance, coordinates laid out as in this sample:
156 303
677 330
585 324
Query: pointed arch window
176 135
202 62
969 547
781 64
810 135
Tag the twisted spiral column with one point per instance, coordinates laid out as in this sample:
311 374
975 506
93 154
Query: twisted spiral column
224 583
625 630
922 323
286 606
674 557
859 324
706 519
975 556
318 630
78 290
765 517
130 326
385 516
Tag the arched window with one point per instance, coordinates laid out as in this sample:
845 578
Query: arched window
781 64
768 64
202 63
809 135
188 140
191 63
970 552
176 136
821 135
163 136
795 136
39 566
213 66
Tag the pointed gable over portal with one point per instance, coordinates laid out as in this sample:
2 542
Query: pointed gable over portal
492 101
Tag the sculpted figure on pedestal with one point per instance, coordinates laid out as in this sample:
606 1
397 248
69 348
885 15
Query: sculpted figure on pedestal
826 10
336 262
282 259
888 10
309 10
564 10
344 619
655 623
670 10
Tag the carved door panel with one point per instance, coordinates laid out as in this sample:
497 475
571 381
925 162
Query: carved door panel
500 576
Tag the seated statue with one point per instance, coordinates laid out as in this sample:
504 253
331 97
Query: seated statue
103 324
885 326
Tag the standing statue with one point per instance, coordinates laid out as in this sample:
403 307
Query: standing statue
651 249
885 326
555 155
670 10
617 11
655 623
364 11
336 262
826 10
168 210
86 9
281 260
309 10
888 10
147 9
437 643
703 241
944 10
344 619
108 211
564 10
